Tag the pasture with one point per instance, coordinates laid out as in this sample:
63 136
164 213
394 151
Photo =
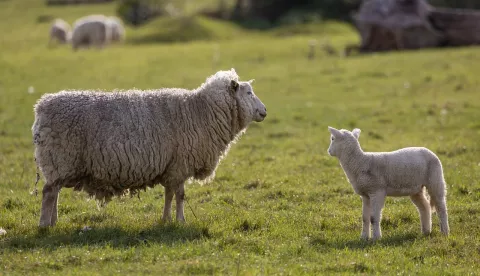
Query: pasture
279 203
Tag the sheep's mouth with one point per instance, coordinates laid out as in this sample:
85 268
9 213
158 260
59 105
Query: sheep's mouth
260 116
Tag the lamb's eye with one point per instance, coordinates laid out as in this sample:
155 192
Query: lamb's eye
333 138
249 93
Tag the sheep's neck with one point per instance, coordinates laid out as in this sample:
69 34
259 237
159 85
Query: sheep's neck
351 161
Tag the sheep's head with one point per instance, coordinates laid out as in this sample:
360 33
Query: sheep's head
342 139
252 108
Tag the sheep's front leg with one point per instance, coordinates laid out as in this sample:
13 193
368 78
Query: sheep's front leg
366 213
377 202
180 198
167 208
49 197
424 210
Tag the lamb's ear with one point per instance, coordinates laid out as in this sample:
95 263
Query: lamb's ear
335 132
251 81
234 86
356 133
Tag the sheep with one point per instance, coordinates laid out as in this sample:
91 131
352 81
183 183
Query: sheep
108 144
91 30
117 29
404 172
60 31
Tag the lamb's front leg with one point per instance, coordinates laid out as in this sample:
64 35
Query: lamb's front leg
167 208
377 202
180 198
366 213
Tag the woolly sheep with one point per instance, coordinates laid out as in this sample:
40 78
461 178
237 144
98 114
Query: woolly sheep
60 32
404 172
117 29
91 30
109 143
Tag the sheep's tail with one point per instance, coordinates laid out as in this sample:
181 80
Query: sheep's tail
432 205
37 178
437 188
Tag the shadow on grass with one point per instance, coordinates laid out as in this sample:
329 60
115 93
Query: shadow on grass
116 237
397 240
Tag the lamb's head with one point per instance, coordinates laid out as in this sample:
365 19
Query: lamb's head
251 107
343 141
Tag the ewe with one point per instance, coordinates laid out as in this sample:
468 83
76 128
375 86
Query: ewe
109 143
91 30
404 172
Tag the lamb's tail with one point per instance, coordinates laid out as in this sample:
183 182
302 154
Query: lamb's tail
437 186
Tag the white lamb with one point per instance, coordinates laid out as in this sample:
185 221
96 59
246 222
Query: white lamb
117 29
404 172
60 32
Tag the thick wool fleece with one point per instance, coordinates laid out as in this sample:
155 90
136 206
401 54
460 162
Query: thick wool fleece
106 143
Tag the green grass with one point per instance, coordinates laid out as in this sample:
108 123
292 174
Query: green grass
279 203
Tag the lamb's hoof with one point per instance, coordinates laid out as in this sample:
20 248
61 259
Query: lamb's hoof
166 220
375 239
43 229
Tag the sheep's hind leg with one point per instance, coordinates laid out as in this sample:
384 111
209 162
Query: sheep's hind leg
366 213
377 202
55 209
424 210
167 208
49 199
180 199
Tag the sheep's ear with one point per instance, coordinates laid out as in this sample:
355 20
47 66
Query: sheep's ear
251 81
356 133
335 132
234 86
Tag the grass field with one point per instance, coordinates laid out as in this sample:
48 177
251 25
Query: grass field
279 203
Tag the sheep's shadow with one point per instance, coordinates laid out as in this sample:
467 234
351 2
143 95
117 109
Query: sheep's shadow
116 237
396 240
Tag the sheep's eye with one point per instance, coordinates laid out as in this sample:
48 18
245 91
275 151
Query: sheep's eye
333 138
249 93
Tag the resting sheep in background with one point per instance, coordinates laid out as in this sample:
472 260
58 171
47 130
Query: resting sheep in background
60 32
108 143
92 30
405 172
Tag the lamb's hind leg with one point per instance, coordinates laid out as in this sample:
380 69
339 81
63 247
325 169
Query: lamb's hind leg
424 210
439 201
49 199
437 191
366 213
377 202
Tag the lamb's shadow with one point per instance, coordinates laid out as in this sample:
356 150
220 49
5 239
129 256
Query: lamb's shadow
112 236
396 240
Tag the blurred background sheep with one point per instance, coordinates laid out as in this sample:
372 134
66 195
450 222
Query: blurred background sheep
60 32
92 30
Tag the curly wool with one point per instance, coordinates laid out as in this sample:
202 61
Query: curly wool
108 143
